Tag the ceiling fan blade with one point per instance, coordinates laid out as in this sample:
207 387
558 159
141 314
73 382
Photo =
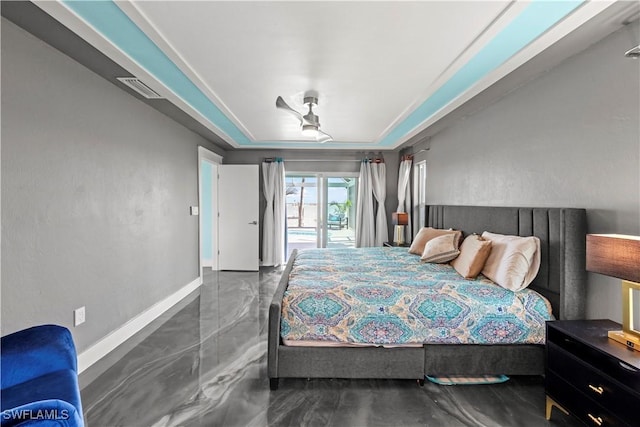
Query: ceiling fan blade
284 106
323 137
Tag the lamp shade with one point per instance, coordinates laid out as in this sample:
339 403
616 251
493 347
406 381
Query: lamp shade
614 255
400 218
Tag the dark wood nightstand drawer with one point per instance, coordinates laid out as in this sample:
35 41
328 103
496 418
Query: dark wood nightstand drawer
581 406
602 390
627 375
592 377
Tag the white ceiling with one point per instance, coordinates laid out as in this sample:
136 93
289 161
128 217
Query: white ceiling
368 64
383 71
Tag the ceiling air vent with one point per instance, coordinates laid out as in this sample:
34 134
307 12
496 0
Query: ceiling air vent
139 86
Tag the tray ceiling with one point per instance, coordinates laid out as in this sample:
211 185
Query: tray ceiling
383 71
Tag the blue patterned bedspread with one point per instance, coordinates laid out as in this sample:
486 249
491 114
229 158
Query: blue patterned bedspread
386 296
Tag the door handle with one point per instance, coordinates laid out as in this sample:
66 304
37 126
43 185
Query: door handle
254 222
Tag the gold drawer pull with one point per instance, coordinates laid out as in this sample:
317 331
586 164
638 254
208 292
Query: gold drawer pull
598 389
596 420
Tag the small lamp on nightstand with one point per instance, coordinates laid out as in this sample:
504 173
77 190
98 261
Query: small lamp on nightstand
400 219
619 256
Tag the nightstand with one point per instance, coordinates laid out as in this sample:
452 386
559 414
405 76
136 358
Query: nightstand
395 245
590 376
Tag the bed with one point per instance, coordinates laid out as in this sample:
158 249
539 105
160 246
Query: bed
561 280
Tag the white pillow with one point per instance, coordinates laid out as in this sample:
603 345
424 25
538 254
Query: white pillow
441 249
513 262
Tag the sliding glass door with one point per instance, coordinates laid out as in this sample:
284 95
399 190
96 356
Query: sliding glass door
302 212
340 212
320 210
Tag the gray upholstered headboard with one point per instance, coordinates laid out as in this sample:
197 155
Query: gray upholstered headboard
562 233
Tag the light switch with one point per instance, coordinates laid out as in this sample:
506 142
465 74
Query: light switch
194 210
78 316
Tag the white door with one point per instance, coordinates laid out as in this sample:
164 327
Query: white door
238 230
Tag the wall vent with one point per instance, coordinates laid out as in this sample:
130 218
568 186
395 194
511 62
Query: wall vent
633 52
140 87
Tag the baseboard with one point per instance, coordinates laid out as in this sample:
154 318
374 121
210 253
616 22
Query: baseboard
126 331
101 366
207 262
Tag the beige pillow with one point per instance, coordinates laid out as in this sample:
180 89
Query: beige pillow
474 252
441 249
427 233
514 261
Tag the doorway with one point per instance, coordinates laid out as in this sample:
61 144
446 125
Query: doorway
320 210
229 230
208 164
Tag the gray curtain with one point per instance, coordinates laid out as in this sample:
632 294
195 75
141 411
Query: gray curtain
365 226
273 176
378 185
404 195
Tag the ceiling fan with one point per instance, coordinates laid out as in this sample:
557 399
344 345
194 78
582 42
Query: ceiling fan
309 123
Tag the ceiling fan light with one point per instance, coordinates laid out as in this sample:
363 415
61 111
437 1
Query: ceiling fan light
310 130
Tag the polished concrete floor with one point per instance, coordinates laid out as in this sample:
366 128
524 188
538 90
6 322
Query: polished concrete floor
206 366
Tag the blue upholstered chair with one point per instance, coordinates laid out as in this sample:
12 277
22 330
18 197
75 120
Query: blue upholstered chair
39 382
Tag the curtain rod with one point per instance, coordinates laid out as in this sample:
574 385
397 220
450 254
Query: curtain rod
316 160
323 160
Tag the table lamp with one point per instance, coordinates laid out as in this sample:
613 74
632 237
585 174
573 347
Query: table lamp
400 219
619 256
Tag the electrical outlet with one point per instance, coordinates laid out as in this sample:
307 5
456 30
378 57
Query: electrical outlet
78 316
194 210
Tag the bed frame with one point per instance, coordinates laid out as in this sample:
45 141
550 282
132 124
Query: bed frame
561 279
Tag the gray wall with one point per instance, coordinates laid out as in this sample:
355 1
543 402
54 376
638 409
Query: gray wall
323 161
569 138
96 188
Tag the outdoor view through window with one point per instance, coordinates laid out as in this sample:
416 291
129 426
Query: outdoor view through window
320 211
